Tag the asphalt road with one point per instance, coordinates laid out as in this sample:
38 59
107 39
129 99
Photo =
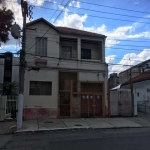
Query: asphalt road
110 139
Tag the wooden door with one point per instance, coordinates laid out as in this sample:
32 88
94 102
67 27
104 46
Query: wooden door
98 105
64 104
87 106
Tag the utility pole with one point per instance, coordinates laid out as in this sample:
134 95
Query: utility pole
24 7
131 87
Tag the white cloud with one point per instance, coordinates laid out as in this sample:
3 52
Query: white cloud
16 9
73 20
36 2
110 58
75 4
131 59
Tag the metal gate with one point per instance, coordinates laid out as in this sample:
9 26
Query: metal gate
120 103
11 103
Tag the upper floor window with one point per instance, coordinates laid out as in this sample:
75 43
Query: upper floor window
66 52
85 53
41 46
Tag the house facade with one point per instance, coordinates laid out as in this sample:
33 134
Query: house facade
66 74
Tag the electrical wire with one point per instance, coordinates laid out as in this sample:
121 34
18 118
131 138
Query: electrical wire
113 7
49 27
85 42
111 13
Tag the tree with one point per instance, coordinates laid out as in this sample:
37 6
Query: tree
6 20
9 88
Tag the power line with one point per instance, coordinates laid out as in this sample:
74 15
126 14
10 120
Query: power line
107 17
113 7
70 59
87 42
110 18
108 37
56 9
100 5
92 10
49 27
127 49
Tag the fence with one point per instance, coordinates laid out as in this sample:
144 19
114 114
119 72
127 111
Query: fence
10 105
7 105
120 103
144 107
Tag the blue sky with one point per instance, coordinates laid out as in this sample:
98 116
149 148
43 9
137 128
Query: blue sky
127 41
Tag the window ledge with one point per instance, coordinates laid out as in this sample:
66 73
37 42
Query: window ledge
40 62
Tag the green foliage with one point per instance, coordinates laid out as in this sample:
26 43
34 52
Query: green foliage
9 88
6 20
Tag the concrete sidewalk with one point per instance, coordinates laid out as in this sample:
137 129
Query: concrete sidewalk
8 127
92 123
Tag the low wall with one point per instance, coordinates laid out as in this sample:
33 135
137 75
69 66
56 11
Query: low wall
45 113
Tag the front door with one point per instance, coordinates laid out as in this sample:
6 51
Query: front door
91 105
64 104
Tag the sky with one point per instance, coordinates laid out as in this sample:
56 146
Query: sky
126 23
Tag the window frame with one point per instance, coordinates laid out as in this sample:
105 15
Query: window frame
70 51
39 88
38 46
84 53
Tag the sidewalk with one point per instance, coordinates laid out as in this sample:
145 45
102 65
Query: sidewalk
89 123
81 123
7 127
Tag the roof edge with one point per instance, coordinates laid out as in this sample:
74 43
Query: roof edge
42 20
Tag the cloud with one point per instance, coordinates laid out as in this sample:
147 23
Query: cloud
36 2
16 9
75 4
110 58
131 59
73 20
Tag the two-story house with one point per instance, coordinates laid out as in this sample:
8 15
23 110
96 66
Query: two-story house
66 73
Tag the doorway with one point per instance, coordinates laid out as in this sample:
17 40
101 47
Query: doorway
91 105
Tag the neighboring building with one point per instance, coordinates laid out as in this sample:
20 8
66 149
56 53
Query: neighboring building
141 90
113 80
134 71
141 86
9 68
66 74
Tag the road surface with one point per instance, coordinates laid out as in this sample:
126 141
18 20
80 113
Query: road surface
109 139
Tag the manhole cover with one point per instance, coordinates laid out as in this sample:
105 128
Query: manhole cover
48 122
78 125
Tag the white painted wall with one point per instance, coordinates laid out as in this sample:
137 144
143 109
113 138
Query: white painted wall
141 88
32 101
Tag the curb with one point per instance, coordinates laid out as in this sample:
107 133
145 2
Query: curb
69 129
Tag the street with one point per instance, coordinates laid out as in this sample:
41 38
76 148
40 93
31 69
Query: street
114 139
